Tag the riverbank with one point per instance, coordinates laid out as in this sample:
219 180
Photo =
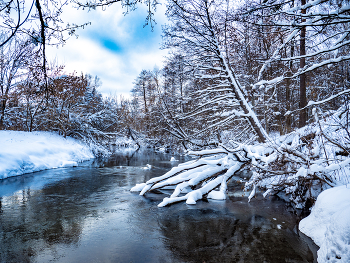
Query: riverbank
27 152
329 225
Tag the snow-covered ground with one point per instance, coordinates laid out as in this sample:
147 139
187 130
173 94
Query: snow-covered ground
26 152
329 225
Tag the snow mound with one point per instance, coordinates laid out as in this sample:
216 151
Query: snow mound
217 195
172 159
147 167
27 152
138 187
329 225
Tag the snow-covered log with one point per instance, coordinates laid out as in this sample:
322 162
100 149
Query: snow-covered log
299 165
196 179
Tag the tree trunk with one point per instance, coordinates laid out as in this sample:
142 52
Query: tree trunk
236 87
144 96
2 115
251 116
288 107
302 89
3 107
289 92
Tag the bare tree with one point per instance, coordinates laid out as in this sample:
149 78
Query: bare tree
198 29
15 56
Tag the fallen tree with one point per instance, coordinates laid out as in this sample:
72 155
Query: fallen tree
298 165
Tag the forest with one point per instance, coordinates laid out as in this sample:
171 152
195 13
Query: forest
254 86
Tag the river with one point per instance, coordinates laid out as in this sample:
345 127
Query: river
87 214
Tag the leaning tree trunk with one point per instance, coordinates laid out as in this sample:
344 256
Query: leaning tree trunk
236 87
250 114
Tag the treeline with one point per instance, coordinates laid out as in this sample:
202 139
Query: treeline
236 71
169 104
34 98
285 57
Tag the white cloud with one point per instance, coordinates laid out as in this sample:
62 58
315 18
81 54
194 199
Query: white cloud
133 47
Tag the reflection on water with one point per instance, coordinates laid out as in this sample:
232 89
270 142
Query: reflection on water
206 235
87 214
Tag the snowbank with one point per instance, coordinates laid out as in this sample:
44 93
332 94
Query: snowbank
27 152
329 225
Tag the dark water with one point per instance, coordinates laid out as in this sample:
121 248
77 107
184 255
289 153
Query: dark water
87 214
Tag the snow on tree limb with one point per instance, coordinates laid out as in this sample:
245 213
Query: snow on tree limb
197 179
303 71
315 103
205 174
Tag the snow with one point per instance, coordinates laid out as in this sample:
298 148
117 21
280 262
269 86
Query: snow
329 225
147 167
217 195
172 159
138 187
27 152
252 194
195 195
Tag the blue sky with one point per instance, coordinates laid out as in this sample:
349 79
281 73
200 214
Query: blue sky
115 47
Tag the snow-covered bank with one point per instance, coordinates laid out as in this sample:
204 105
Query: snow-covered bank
26 152
329 225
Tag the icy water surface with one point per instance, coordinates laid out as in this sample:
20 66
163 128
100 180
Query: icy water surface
87 214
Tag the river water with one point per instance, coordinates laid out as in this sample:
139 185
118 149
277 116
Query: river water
87 214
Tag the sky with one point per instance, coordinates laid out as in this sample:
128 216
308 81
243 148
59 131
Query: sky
115 47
